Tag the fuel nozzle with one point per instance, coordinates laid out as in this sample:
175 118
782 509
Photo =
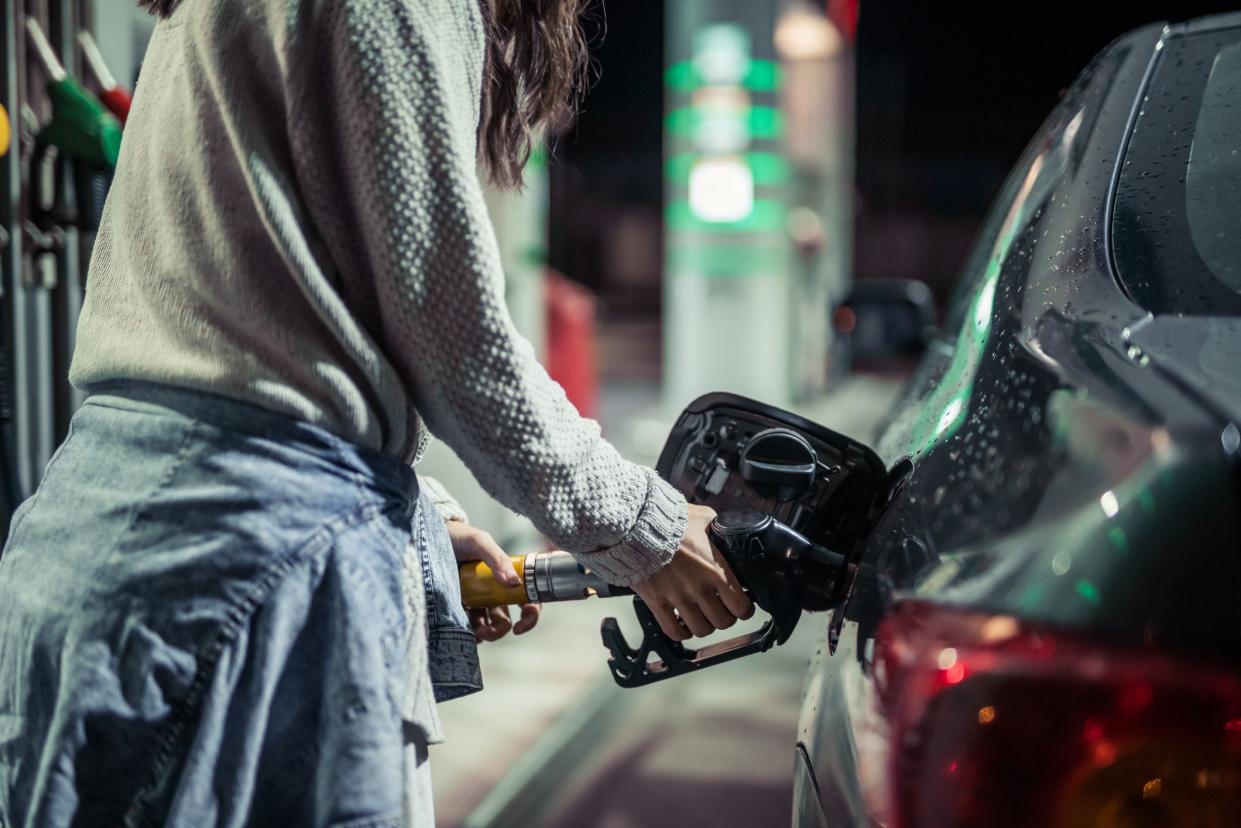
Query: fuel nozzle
774 561
784 572
87 140
81 126
115 97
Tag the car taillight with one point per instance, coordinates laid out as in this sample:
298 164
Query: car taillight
993 722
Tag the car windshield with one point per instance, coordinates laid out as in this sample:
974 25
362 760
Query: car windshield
1177 225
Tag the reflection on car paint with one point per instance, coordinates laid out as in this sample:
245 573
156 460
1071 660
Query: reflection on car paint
1072 474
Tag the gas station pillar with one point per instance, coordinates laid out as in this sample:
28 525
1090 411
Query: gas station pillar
728 287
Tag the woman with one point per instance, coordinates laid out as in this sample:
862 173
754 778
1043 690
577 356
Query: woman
203 618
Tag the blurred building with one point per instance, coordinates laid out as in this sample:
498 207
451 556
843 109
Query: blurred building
726 210
758 182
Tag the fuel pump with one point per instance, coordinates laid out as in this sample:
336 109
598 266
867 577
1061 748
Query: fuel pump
87 139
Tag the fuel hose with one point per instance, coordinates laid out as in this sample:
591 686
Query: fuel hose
546 577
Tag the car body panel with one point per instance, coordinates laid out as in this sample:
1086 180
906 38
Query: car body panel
1075 458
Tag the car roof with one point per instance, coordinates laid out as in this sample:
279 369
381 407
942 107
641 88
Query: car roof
1225 20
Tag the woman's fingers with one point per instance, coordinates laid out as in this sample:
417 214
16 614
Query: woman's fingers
734 598
501 621
478 623
668 621
697 584
713 608
472 544
494 623
730 592
529 617
490 624
693 618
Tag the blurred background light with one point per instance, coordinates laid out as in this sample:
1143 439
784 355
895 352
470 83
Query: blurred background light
722 54
803 33
1110 504
721 129
721 190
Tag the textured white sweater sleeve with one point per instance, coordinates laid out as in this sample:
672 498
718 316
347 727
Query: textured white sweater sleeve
383 128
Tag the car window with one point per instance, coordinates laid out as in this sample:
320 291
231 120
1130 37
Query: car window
1177 221
1213 181
1029 181
936 401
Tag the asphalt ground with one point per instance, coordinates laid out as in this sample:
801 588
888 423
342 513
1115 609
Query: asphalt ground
710 749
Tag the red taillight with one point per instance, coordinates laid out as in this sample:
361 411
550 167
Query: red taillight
991 722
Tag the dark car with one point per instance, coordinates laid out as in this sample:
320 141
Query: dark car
1053 635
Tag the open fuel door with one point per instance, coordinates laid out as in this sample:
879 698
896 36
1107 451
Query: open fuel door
730 452
796 502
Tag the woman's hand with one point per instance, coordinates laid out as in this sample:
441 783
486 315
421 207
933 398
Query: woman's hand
472 544
696 593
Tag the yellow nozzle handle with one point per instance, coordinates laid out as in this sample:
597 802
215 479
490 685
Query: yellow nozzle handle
480 588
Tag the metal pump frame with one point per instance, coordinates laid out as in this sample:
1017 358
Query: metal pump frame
42 275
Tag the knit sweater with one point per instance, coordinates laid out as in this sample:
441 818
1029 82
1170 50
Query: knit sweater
296 221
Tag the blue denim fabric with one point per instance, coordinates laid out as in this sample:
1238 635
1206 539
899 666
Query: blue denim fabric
452 649
202 622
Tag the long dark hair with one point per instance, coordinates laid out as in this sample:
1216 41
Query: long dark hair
536 62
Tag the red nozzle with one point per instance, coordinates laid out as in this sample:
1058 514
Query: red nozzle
115 97
118 102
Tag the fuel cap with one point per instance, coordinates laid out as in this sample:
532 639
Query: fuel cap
779 457
741 522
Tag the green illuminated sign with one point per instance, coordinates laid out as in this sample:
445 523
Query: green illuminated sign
762 122
767 216
759 76
718 224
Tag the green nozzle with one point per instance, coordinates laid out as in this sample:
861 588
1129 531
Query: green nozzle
81 127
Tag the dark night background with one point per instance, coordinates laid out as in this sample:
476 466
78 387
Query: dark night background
947 96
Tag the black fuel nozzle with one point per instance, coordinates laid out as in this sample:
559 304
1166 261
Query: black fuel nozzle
783 572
